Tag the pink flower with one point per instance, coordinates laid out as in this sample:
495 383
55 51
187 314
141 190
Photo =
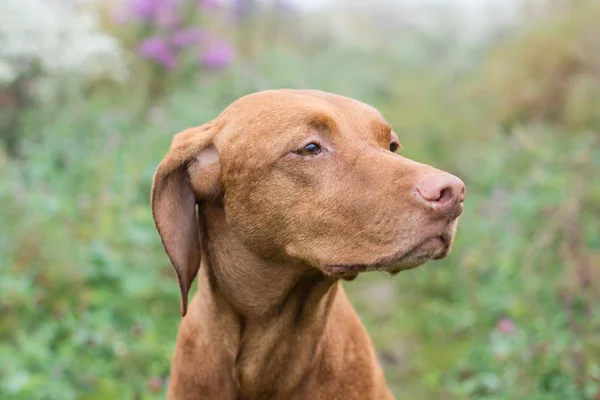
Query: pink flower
505 325
146 9
157 48
218 56
164 13
208 5
241 8
169 17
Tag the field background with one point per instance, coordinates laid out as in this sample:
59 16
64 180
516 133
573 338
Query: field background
506 95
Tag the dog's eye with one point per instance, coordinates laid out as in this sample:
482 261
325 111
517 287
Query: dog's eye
394 147
311 149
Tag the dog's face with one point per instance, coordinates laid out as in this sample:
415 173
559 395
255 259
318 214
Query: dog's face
313 178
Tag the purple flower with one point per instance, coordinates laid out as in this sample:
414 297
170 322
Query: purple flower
189 36
241 8
157 48
168 17
146 9
164 12
505 325
218 56
208 5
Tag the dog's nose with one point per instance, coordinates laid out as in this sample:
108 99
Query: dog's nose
443 193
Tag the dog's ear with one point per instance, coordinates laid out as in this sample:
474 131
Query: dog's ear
188 174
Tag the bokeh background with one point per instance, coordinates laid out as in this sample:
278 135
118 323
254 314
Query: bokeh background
504 94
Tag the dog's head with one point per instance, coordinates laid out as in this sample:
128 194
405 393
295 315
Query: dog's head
308 177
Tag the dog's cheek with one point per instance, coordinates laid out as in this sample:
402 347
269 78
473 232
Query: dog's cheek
256 221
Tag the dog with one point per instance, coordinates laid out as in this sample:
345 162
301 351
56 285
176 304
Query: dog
269 206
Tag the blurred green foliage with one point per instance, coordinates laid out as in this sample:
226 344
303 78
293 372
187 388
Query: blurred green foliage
88 301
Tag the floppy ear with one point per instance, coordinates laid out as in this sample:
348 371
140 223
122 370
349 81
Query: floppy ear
188 174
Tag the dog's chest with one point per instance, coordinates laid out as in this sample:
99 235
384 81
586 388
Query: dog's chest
273 364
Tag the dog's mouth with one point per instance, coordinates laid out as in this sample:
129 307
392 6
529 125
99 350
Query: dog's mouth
432 248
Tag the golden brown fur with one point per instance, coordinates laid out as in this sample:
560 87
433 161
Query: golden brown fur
268 233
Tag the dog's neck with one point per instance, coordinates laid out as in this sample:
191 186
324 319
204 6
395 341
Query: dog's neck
280 306
256 288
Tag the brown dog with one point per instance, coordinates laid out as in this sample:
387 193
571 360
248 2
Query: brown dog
281 196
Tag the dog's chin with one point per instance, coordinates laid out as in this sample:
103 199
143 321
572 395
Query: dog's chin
432 248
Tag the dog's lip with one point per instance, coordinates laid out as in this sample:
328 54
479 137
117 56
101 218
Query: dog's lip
429 244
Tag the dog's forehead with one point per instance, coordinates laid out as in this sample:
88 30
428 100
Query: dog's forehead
268 113
286 100
337 100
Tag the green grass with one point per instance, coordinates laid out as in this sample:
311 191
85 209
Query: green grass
89 303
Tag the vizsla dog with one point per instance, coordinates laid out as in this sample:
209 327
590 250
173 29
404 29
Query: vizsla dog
270 205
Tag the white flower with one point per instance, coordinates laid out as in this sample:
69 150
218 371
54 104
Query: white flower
62 40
